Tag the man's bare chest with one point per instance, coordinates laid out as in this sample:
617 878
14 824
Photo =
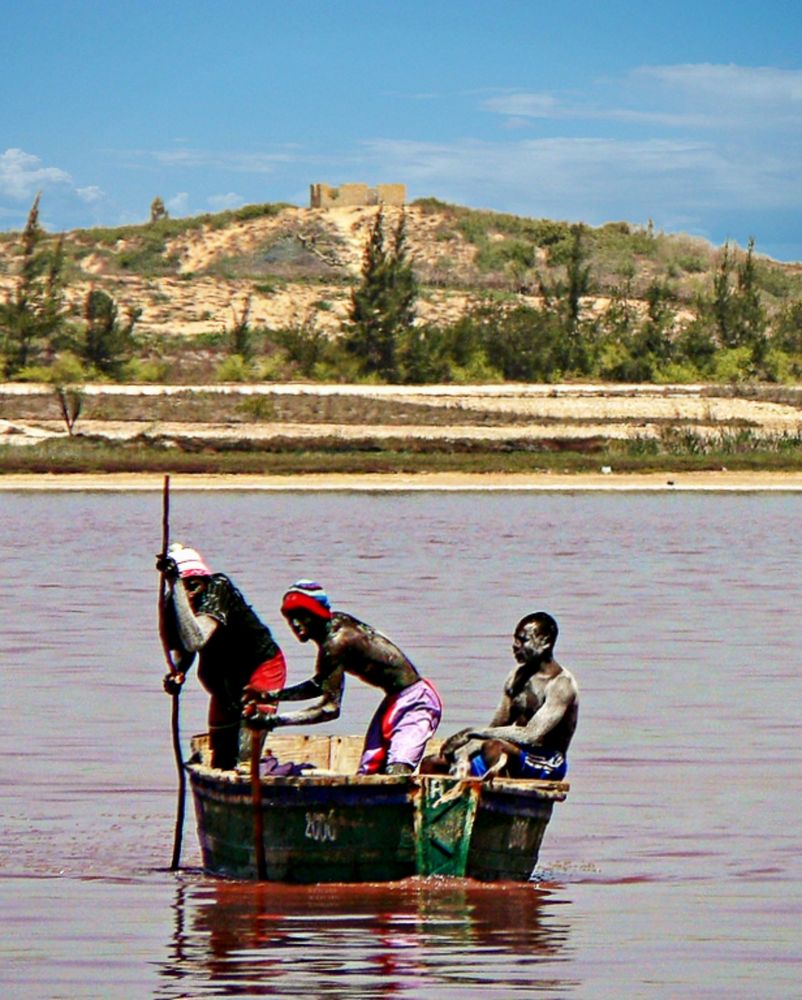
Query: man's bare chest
525 703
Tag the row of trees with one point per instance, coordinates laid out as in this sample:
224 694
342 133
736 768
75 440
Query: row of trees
35 326
726 336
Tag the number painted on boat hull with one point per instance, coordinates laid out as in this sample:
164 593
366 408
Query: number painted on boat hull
321 827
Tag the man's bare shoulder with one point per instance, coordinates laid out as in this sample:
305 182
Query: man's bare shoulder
343 632
563 682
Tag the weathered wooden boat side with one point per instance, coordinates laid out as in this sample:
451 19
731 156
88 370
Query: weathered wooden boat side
323 829
332 825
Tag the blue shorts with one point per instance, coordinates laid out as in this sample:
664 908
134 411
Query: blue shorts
527 764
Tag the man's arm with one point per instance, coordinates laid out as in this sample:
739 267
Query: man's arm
503 713
559 697
194 631
327 708
314 687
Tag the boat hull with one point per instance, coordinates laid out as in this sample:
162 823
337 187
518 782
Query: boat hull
314 830
335 826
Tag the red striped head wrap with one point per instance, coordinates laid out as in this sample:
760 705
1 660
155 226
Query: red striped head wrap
308 595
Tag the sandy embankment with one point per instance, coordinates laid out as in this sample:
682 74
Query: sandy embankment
723 481
529 411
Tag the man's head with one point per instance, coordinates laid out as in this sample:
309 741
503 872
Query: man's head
188 561
534 637
307 609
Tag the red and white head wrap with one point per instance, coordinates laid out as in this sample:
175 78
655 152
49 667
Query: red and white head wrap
188 560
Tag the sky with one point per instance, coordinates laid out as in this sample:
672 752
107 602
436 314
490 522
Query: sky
687 115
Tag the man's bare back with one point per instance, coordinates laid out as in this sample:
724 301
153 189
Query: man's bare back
361 650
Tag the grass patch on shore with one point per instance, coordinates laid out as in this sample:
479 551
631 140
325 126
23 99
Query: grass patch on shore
672 453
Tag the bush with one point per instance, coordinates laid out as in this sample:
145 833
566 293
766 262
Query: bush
66 369
259 408
676 373
33 373
477 371
144 371
733 364
235 369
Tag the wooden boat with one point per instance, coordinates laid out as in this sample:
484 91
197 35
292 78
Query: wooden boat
329 824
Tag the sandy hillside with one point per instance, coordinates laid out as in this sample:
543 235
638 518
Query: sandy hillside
214 271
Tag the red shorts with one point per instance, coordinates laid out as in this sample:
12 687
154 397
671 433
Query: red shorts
268 676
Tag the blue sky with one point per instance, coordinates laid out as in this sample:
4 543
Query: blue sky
688 114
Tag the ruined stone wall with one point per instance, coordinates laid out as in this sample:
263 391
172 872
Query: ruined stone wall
356 195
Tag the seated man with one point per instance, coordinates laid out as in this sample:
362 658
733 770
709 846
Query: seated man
407 716
529 734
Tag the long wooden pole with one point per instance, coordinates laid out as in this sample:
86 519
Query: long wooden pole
257 738
179 759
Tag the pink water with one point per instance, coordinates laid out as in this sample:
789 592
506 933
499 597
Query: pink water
672 870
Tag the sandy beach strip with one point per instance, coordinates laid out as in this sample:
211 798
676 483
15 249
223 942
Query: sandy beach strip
723 481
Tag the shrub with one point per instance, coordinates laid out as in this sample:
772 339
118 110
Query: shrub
733 364
235 369
144 371
259 408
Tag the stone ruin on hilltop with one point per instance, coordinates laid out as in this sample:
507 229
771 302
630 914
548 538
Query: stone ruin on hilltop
356 195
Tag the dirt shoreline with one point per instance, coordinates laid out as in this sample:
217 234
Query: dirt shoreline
723 481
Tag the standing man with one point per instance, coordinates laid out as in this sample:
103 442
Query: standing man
407 716
208 617
529 735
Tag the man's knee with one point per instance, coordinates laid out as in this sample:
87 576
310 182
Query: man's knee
399 769
434 764
498 754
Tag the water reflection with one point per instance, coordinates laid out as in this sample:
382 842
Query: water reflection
417 938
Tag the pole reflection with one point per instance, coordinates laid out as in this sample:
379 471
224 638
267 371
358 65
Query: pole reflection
417 938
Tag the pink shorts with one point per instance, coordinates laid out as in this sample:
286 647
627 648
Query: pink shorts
401 727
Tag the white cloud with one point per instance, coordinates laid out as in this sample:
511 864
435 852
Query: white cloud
22 174
696 96
91 195
755 85
527 105
595 179
178 204
220 202
252 163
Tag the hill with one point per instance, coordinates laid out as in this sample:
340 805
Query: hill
291 271
191 278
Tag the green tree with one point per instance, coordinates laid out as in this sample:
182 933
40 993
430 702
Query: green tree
735 308
33 314
653 342
736 304
107 341
787 328
525 344
422 355
695 344
157 210
562 299
240 336
750 316
383 304
721 304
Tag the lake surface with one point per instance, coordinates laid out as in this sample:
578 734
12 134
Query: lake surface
673 869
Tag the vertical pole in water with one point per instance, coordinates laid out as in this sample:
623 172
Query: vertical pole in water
179 761
256 797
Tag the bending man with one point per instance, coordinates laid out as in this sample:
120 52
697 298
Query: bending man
210 618
407 716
